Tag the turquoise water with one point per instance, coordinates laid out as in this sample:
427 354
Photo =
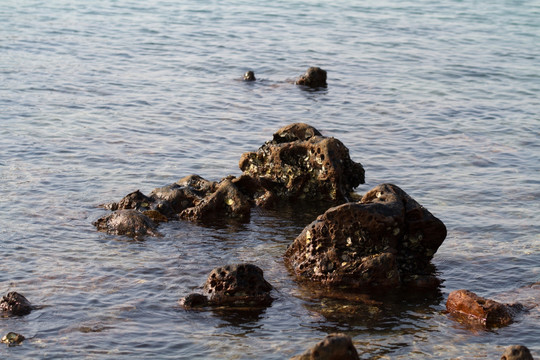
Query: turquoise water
100 98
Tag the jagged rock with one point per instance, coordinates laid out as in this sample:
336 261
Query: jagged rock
300 163
333 347
12 339
480 310
127 222
15 304
249 76
226 202
517 352
382 241
314 77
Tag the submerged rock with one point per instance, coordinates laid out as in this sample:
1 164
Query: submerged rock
517 352
249 76
232 285
480 310
127 222
384 240
15 304
333 347
314 77
301 164
12 339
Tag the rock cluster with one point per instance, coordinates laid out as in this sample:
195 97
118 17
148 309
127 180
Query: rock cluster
480 310
232 285
382 241
15 304
333 347
297 164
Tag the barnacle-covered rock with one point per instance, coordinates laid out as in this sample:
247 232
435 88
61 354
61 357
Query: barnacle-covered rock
333 347
15 304
383 240
300 163
127 222
476 309
314 77
225 202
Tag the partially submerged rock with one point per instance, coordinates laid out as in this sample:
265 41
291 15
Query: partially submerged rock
333 347
516 352
15 304
12 339
249 76
301 164
384 240
476 309
314 77
232 285
127 222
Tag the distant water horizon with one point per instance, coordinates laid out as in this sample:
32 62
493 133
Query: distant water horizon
101 98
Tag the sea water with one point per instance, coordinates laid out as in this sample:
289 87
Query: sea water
100 98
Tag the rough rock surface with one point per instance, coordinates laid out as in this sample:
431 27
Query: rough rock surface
517 352
300 163
225 202
127 222
333 347
314 77
15 304
232 285
481 310
384 240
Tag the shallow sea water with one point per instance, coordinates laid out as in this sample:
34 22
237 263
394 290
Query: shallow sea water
100 98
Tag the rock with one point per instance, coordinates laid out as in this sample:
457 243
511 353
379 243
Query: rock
384 240
127 222
333 347
226 202
517 352
15 304
12 339
480 310
301 164
249 76
194 301
239 284
314 77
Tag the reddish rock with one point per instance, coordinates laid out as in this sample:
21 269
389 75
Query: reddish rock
333 347
314 77
381 241
15 304
301 164
127 222
481 310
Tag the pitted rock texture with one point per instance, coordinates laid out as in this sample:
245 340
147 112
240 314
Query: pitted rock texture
15 304
333 347
239 284
314 77
225 202
301 164
481 310
127 222
517 352
384 240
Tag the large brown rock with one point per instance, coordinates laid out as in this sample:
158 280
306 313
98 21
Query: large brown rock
476 309
301 164
383 240
314 77
333 347
15 304
232 285
127 222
